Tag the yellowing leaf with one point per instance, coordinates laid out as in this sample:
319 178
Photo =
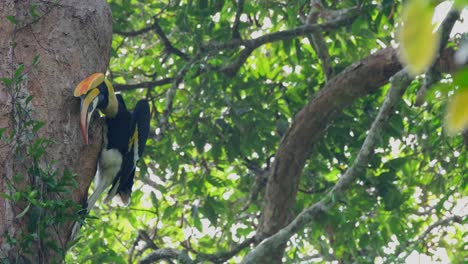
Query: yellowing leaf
418 43
456 118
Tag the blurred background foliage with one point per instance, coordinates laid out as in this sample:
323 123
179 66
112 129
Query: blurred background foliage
214 133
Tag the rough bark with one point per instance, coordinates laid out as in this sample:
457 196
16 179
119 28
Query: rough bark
73 40
355 81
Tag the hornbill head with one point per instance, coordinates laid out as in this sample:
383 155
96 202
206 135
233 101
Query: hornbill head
95 92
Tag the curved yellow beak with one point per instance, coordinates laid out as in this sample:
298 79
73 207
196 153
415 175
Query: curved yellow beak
90 97
89 103
89 83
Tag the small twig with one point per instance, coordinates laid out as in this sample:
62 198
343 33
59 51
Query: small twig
261 179
252 44
224 256
148 181
132 250
157 28
147 85
280 35
170 94
135 32
167 253
433 75
317 41
145 237
408 246
235 27
167 44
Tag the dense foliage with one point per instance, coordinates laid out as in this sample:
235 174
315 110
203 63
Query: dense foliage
219 111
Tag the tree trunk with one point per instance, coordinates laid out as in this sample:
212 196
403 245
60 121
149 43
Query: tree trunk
72 39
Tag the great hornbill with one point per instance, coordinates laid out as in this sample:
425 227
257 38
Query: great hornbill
124 140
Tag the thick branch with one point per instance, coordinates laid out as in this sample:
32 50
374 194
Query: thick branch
399 84
355 81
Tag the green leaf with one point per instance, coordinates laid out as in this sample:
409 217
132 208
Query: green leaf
33 11
215 181
460 78
397 163
456 118
20 215
12 19
28 99
169 211
154 200
6 81
419 44
2 130
6 196
197 222
19 71
35 60
37 125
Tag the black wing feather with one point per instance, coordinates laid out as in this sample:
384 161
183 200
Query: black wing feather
141 119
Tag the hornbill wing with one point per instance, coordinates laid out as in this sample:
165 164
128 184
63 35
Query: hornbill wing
140 125
138 134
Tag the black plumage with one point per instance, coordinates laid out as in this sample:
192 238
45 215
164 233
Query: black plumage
125 136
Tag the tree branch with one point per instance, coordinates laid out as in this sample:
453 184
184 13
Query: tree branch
400 82
167 44
135 32
235 26
170 94
280 35
157 28
250 45
224 256
317 40
147 85
167 253
409 245
356 80
433 74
